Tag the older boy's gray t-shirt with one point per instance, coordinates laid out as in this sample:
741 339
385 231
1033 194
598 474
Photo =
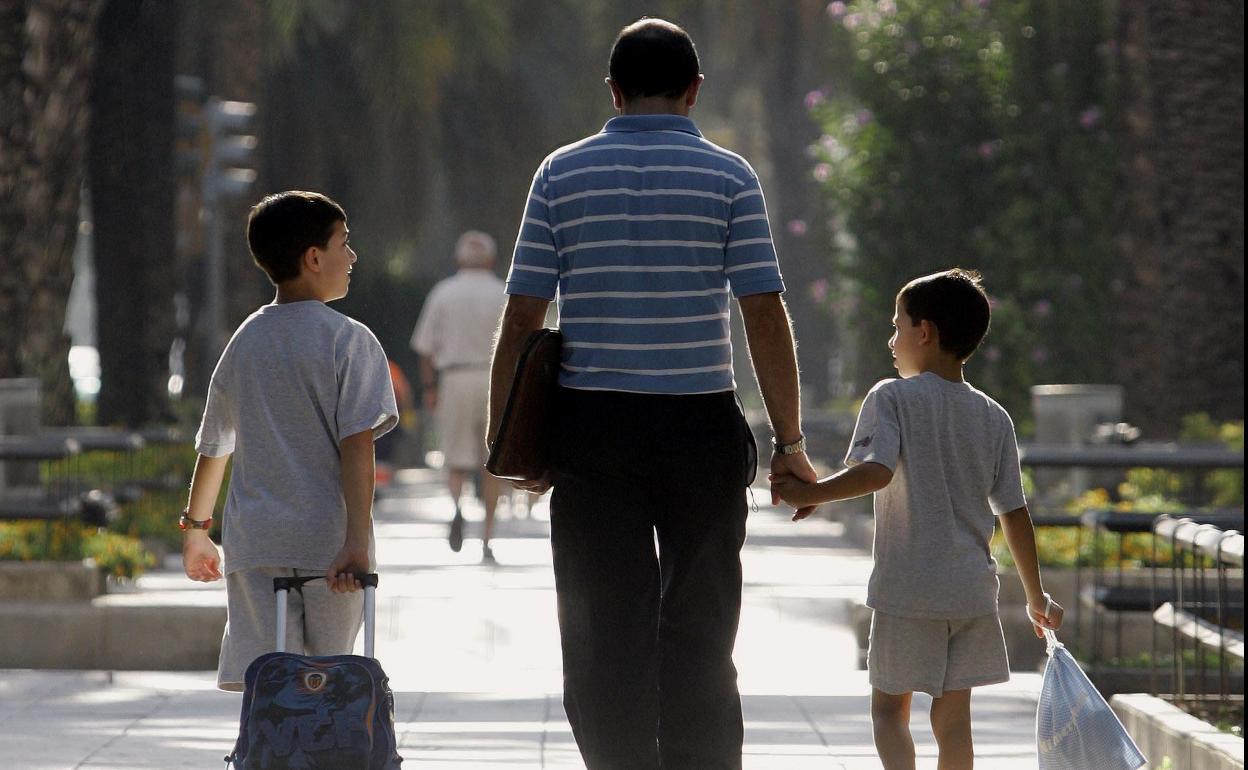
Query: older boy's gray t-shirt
954 458
293 382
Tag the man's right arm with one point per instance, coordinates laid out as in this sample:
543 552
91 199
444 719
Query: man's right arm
429 380
769 335
522 316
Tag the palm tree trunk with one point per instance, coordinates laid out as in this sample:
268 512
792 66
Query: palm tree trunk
46 50
1181 217
133 196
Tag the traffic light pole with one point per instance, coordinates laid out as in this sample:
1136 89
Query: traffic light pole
214 291
230 153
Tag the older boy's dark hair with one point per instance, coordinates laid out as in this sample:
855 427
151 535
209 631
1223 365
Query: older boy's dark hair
652 57
954 301
283 226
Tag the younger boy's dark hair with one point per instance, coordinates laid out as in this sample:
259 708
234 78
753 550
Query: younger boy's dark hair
652 57
283 226
954 301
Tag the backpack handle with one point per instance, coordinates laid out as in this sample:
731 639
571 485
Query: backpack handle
282 586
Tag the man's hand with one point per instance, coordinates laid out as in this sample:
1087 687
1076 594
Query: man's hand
799 494
200 558
431 397
536 487
351 560
798 466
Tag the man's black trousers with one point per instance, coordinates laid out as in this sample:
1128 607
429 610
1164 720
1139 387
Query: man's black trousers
647 637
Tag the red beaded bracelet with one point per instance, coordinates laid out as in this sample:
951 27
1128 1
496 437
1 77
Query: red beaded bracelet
186 522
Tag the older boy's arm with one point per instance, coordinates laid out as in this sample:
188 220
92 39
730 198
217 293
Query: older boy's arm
358 479
200 558
522 316
1020 536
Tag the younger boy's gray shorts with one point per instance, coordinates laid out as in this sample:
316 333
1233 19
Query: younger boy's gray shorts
934 656
318 621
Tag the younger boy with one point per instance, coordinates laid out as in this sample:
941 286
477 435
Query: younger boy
298 397
942 459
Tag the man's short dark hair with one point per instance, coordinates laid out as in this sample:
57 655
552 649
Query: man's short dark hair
955 302
283 226
652 57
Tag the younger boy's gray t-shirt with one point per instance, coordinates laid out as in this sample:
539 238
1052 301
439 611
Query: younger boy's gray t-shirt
954 458
293 382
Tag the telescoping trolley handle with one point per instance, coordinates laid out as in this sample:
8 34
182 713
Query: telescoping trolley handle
282 586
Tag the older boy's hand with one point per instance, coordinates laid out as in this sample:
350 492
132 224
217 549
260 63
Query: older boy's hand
200 558
351 560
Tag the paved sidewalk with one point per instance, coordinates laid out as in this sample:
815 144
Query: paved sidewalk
473 657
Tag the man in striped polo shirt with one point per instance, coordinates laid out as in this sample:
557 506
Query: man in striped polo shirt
645 231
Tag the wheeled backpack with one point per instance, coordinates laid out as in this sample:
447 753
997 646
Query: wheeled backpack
329 712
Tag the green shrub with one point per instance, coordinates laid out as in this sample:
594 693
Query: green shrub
119 555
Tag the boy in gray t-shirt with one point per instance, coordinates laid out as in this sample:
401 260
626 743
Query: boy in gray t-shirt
298 397
942 460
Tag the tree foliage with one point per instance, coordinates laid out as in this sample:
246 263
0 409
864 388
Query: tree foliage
975 135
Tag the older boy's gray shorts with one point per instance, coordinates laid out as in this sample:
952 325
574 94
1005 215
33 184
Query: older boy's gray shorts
318 621
935 655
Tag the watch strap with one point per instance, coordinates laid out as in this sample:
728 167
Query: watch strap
791 448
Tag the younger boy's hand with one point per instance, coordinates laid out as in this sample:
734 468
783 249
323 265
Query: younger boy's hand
1042 617
200 558
797 493
798 467
351 560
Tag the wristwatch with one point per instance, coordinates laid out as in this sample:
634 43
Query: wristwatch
791 448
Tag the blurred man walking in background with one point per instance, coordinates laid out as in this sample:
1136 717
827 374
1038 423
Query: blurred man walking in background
453 337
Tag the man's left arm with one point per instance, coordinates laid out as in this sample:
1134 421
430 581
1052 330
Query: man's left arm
522 316
769 335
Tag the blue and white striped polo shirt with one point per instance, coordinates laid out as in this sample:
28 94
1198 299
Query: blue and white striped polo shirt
643 229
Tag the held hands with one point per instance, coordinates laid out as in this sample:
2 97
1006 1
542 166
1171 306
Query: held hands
351 560
1044 614
797 493
788 473
200 558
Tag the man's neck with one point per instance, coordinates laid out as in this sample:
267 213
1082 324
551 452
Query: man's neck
655 105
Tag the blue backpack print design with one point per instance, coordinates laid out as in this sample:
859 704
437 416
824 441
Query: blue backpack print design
325 712
316 712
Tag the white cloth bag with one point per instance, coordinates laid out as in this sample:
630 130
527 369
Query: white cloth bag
1075 727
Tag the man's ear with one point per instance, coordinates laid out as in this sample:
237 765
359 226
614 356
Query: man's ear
617 96
691 95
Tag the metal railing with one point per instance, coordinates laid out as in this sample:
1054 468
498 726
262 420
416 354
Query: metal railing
1205 619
